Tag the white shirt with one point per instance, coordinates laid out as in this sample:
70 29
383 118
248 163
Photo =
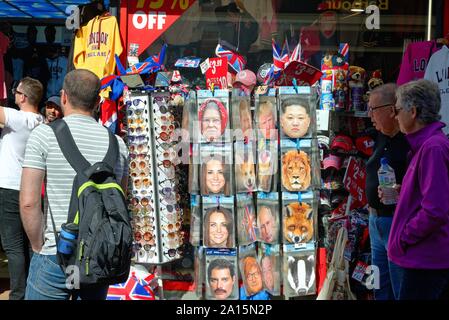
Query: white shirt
18 126
438 71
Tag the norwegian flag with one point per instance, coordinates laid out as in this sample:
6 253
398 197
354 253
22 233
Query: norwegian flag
133 289
236 61
108 115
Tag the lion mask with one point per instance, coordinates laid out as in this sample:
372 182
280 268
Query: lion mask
296 170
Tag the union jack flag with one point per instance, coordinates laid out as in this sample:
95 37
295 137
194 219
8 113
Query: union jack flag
108 115
133 289
235 61
150 65
250 223
296 53
279 57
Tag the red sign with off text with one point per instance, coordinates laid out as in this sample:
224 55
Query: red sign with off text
354 180
217 72
149 19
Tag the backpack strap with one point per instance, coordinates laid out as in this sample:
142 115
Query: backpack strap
68 146
71 152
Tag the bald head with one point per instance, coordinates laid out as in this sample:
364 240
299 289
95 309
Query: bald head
82 88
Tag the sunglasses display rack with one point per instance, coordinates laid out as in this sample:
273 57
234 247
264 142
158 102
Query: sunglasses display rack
154 200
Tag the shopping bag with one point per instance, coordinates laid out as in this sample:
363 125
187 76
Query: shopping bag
336 285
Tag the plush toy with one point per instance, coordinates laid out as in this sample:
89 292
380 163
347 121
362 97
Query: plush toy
356 83
340 88
373 82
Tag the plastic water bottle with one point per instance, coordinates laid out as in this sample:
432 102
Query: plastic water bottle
387 180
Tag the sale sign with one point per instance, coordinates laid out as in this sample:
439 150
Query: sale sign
147 20
217 73
354 180
305 75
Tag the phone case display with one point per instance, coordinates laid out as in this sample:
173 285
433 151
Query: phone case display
266 116
270 263
268 216
242 120
195 220
247 231
299 271
296 165
141 187
296 113
216 176
221 274
245 167
213 116
298 218
218 222
250 270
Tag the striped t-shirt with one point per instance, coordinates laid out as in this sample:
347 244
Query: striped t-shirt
43 152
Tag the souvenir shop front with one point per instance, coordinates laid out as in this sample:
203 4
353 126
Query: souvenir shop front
248 135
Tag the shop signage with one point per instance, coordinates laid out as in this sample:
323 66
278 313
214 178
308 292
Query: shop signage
149 19
216 73
348 5
304 74
354 180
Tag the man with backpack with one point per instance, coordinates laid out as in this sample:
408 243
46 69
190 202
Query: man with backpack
86 179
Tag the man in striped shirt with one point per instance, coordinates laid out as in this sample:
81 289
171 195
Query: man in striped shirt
79 97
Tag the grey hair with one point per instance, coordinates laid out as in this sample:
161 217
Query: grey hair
386 93
425 96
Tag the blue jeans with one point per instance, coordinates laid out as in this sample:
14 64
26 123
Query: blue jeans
379 230
14 242
47 281
422 284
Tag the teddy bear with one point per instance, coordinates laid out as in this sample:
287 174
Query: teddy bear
356 79
340 88
373 82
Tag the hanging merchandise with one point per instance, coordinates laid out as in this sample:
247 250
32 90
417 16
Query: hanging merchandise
299 271
213 116
247 231
245 167
216 176
221 264
242 123
251 274
96 44
218 222
268 219
296 165
356 82
267 143
57 65
270 263
298 219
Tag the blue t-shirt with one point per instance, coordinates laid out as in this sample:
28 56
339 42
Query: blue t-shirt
261 295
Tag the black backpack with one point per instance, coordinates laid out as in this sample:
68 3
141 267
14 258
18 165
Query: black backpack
103 249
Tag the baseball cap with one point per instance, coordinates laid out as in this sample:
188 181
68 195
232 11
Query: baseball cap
365 144
55 99
332 161
343 142
246 77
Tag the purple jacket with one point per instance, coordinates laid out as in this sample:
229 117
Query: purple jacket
419 235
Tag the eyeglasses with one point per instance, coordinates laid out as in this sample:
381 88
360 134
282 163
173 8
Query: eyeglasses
140 148
136 102
137 130
253 276
137 139
371 109
14 91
